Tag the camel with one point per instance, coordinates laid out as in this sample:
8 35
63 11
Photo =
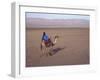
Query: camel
47 46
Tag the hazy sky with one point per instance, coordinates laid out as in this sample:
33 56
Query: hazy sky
56 16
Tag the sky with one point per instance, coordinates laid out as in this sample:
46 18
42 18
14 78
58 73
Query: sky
56 16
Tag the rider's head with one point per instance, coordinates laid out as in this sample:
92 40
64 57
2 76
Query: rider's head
44 33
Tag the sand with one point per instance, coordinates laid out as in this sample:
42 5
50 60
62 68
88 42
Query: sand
72 47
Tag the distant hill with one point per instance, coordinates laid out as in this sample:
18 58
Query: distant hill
56 23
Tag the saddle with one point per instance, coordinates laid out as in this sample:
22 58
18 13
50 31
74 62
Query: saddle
48 43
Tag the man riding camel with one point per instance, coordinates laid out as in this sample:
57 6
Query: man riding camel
46 40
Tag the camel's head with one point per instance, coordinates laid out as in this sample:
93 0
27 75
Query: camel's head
56 37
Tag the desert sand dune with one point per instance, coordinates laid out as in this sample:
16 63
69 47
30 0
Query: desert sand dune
72 47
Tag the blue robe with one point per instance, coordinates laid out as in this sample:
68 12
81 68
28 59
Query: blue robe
45 38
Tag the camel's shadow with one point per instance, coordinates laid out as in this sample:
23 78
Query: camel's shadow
55 51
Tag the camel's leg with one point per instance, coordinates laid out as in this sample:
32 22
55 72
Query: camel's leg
46 51
43 53
50 50
43 49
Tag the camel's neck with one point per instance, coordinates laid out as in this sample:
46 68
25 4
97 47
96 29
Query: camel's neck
55 41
